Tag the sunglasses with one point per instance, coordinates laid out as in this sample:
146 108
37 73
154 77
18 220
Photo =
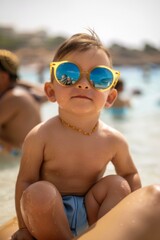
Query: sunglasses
100 77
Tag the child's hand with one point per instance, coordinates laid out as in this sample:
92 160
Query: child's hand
22 234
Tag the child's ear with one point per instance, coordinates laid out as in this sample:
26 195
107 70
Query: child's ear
49 90
111 98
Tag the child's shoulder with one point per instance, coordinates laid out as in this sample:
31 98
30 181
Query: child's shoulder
108 129
50 124
44 128
111 132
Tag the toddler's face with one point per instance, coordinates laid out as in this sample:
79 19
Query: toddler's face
82 97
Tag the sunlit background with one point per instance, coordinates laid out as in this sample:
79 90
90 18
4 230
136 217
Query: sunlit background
131 23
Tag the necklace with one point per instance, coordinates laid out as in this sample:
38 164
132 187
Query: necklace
80 130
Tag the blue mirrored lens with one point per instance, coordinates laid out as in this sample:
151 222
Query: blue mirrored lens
67 73
101 78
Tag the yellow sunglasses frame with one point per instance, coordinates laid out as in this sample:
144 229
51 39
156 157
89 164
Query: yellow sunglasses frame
116 74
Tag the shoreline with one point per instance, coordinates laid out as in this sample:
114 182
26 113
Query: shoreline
127 57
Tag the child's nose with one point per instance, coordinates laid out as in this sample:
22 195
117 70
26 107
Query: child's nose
83 84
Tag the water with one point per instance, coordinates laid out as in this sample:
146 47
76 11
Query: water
140 127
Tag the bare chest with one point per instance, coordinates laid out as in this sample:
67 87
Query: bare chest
85 158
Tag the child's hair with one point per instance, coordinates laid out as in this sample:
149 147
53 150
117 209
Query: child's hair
120 85
80 42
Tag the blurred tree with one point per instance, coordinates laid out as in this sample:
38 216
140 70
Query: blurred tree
12 43
149 48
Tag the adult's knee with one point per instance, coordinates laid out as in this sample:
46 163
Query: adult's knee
148 199
154 194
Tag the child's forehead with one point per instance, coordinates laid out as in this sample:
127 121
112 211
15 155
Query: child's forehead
91 57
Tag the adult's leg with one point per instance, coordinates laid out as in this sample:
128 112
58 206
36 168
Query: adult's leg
104 195
136 217
43 212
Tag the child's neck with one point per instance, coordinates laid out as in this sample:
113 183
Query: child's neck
85 125
80 130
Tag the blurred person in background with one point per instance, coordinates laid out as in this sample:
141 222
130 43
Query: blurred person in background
19 104
121 104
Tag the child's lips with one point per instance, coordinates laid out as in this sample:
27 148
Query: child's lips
82 97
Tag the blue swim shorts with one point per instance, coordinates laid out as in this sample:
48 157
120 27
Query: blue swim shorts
76 213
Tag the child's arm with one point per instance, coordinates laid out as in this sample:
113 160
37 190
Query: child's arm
124 164
29 168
